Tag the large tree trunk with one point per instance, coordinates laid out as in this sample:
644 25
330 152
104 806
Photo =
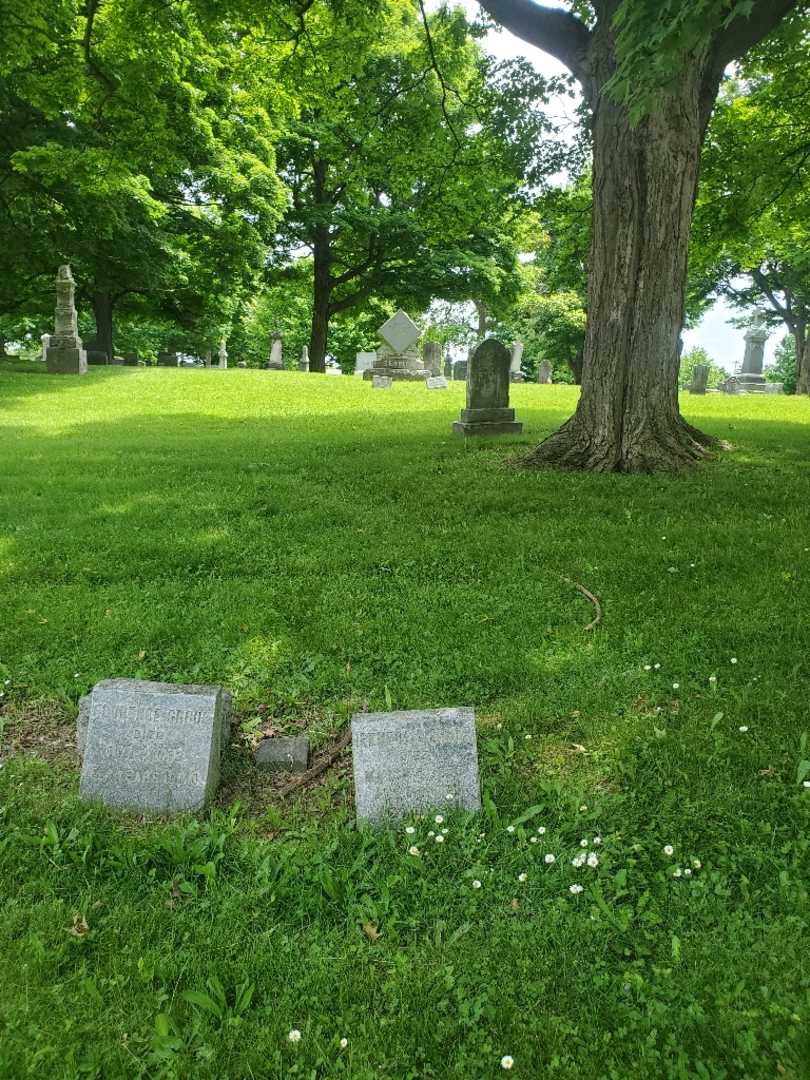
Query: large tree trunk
322 284
103 314
644 186
802 360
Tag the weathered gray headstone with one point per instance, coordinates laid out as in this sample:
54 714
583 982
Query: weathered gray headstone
544 373
364 361
432 357
410 762
382 382
223 354
700 379
436 382
515 372
131 359
152 747
750 379
283 753
167 359
303 364
275 362
64 354
460 370
488 411
46 340
448 368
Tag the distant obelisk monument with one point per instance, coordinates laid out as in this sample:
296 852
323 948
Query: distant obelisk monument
64 354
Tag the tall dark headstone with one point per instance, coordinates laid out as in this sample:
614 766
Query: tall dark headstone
488 411
700 379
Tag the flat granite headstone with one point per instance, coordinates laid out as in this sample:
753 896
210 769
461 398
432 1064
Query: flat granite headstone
382 382
436 382
488 411
411 762
153 747
283 753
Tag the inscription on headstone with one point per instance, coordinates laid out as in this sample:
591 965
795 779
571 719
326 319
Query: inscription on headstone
410 762
382 382
436 382
153 747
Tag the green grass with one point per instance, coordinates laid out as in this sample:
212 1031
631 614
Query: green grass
320 547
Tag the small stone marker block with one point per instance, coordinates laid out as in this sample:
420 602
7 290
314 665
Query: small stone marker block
381 382
410 762
437 382
285 753
153 747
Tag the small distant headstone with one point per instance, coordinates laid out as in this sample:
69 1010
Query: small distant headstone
153 747
275 362
411 762
241 364
460 370
544 373
64 354
131 359
167 359
382 382
222 355
432 357
700 379
448 368
515 371
364 361
46 340
488 411
436 382
397 358
284 753
303 364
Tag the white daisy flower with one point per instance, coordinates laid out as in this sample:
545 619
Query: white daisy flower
507 1062
806 783
696 864
712 678
439 838
533 839
593 859
410 830
445 832
413 850
648 667
343 1044
541 830
575 889
583 842
578 860
510 828
522 877
439 819
742 729
549 858
687 872
669 849
597 840
583 808
476 884
294 1036
677 872
734 660
656 666
676 686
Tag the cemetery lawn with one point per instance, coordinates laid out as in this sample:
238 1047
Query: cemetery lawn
319 548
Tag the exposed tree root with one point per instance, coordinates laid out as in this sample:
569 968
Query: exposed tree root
656 447
328 758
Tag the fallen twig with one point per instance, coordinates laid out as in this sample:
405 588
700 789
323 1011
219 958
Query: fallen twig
593 599
328 759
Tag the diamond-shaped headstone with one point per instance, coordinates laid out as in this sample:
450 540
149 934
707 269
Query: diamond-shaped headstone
400 332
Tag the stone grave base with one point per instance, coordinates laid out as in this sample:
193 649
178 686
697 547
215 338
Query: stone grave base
487 422
66 361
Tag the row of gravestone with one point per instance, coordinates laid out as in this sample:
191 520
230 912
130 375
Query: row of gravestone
156 748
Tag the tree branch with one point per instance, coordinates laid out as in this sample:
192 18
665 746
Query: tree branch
742 34
558 33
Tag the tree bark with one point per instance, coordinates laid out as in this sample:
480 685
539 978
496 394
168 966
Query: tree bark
322 285
802 365
103 314
644 187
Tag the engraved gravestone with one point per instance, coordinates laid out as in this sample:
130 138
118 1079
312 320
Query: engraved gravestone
153 747
436 382
700 379
382 382
488 411
364 361
410 762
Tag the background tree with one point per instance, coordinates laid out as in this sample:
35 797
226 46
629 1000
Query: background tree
650 73
753 215
410 155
